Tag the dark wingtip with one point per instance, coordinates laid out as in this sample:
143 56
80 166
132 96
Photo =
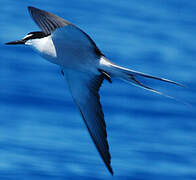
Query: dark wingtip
31 7
111 170
47 21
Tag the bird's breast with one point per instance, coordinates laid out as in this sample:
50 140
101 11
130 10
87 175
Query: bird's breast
45 47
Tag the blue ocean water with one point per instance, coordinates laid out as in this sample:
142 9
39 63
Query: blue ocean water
151 137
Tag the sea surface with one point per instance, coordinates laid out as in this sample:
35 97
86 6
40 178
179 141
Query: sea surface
42 135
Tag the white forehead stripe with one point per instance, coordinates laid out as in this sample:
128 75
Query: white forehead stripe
28 35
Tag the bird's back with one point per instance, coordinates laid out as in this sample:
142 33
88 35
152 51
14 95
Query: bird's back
74 48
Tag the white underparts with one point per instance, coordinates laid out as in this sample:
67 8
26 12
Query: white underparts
44 46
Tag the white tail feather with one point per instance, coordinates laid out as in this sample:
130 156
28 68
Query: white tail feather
131 76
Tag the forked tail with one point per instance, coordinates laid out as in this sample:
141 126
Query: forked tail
131 76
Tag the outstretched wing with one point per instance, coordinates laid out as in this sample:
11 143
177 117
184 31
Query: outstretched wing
84 88
48 22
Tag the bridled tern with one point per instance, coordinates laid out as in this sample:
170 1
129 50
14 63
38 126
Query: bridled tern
84 67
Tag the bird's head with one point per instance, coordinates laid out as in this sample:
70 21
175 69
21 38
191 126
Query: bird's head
29 38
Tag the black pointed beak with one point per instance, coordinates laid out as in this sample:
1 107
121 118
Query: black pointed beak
16 42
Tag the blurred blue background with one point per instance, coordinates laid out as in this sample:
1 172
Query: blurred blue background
42 135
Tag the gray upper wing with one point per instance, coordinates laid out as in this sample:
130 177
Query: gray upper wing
84 89
48 22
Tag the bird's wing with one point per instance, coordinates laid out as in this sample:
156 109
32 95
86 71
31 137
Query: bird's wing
84 89
48 22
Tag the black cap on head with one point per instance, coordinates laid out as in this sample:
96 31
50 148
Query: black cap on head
31 35
35 35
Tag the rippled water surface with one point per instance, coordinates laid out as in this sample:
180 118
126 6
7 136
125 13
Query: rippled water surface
42 135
